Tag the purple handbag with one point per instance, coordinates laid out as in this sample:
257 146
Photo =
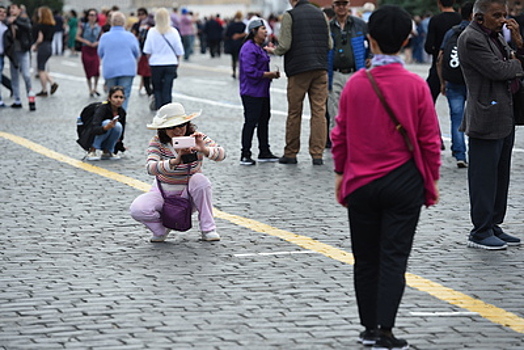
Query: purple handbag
176 211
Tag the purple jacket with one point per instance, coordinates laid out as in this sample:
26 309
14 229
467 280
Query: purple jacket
253 62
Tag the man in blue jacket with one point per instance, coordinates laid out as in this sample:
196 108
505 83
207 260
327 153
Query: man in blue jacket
349 53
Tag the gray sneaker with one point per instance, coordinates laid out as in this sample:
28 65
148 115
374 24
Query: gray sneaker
488 243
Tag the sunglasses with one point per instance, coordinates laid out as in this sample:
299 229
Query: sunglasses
177 126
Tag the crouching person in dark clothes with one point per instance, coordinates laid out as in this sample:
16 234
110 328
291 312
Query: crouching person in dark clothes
383 175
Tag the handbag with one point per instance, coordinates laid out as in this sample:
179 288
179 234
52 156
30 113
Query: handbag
176 211
390 112
518 105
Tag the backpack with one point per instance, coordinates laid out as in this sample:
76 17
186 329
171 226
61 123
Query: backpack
83 125
451 70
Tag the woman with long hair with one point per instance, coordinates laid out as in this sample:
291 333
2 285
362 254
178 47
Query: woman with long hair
163 48
45 29
88 34
107 128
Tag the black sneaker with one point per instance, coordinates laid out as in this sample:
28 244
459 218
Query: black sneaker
368 337
247 161
286 160
16 105
462 164
389 342
509 239
268 157
318 161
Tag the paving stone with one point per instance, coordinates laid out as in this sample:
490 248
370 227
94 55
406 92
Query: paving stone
77 272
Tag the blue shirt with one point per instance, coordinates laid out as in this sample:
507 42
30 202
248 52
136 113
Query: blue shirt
119 51
253 63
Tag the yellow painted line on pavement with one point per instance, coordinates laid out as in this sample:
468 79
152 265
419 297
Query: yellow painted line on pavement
74 162
488 311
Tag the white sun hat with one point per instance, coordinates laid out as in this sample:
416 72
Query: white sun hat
171 114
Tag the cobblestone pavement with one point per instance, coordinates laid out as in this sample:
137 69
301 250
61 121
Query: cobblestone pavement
78 273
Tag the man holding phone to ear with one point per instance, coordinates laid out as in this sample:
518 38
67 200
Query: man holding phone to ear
491 71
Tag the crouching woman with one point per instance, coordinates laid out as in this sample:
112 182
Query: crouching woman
178 171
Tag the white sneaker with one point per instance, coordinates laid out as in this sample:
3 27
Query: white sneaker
93 155
210 236
109 156
159 239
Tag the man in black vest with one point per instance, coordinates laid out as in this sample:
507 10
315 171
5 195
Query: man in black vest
304 41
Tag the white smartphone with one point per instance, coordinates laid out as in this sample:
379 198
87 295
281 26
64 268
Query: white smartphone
183 142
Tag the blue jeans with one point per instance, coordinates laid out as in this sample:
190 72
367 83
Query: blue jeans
108 140
456 94
22 59
162 79
188 41
126 83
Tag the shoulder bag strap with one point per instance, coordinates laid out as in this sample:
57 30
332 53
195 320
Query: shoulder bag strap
159 183
171 46
390 112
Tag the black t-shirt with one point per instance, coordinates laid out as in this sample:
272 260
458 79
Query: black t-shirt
59 24
47 30
438 26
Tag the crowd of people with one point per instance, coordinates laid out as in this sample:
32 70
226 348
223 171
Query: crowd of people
378 118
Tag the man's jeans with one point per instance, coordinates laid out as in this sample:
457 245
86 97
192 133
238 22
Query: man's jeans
22 59
126 83
108 140
456 94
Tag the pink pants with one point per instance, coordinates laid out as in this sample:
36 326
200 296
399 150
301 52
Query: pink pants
147 207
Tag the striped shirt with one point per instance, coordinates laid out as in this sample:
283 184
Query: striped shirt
159 154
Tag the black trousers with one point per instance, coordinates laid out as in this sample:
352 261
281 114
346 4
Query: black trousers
256 115
488 179
214 47
383 216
